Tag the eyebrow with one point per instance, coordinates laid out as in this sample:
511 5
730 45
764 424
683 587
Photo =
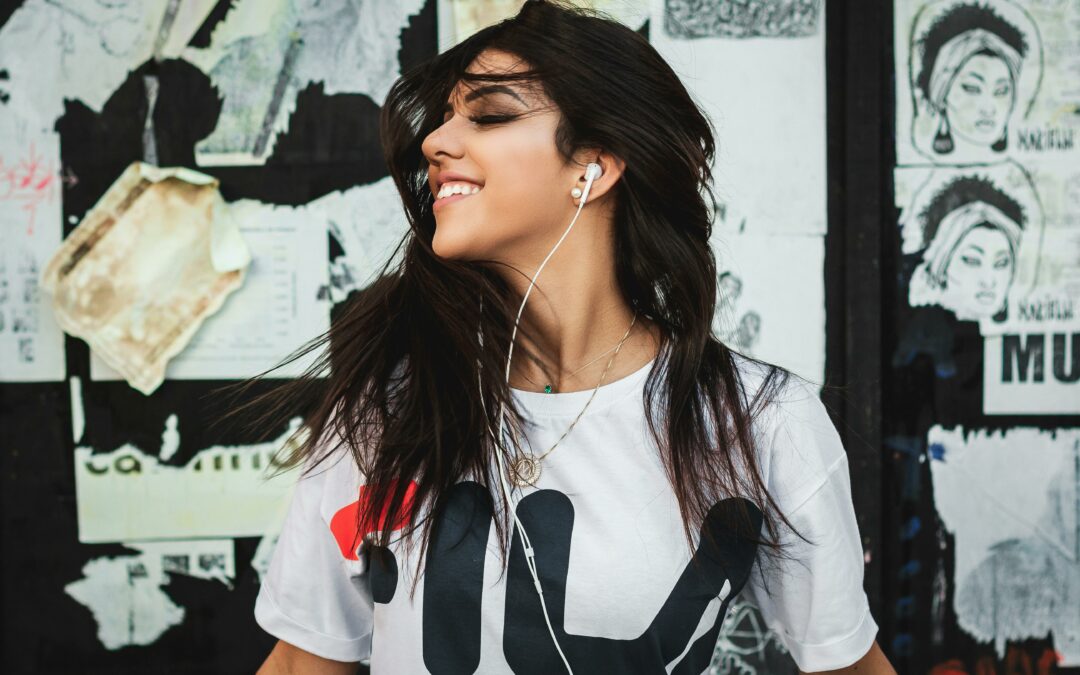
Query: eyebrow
484 91
977 76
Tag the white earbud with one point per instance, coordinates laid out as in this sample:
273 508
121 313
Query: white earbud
592 172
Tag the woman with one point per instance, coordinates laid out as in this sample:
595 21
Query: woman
971 59
974 231
572 509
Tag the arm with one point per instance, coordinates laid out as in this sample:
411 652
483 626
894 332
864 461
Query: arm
286 659
873 663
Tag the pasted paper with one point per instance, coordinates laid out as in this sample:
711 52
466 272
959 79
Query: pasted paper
125 593
1011 499
978 82
280 306
266 51
223 491
156 255
766 98
53 50
770 288
31 344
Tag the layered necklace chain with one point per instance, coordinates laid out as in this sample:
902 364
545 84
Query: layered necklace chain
525 469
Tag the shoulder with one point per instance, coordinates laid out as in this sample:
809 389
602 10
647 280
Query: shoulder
798 446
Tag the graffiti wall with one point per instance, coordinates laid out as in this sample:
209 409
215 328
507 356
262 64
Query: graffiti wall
230 150
983 407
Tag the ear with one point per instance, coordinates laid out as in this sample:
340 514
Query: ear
612 166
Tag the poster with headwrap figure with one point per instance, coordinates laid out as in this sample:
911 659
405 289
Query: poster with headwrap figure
981 80
975 235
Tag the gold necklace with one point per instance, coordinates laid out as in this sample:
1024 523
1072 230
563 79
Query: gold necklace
549 389
525 470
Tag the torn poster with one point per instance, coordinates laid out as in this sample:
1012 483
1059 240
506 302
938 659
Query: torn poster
770 287
975 235
31 343
68 49
458 19
124 593
223 491
156 255
771 136
1012 500
976 81
267 51
280 306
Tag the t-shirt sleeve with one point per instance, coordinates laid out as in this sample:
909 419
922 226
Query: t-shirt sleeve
813 597
313 596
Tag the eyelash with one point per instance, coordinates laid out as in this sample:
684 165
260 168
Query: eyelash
491 119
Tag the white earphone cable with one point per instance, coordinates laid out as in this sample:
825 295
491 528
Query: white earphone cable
592 172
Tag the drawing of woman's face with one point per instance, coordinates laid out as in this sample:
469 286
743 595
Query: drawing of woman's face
980 99
979 273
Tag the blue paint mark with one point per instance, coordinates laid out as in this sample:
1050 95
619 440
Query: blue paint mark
902 644
910 569
910 528
937 451
905 606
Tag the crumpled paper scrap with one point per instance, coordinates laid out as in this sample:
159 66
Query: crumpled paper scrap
156 255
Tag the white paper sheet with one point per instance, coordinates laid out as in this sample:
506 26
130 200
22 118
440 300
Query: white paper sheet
771 299
766 97
267 51
57 49
1012 501
223 491
1030 107
31 343
276 310
124 593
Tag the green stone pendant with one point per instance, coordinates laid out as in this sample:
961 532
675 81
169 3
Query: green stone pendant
547 389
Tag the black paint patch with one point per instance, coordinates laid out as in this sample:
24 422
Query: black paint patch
201 39
454 581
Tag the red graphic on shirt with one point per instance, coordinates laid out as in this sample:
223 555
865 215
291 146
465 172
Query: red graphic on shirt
344 523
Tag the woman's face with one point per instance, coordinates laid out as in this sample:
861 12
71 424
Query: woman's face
516 185
979 273
980 99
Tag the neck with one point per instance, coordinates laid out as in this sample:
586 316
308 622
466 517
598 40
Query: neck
575 315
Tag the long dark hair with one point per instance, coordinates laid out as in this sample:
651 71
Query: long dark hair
396 381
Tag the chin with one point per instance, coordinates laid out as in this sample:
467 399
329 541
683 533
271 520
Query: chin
453 243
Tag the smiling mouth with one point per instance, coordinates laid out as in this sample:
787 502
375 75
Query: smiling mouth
985 124
443 201
985 297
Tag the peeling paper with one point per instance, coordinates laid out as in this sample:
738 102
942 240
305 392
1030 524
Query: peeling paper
31 344
126 599
1012 500
223 491
156 255
266 51
78 414
125 594
72 49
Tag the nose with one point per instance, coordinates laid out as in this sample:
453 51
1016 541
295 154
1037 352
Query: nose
443 142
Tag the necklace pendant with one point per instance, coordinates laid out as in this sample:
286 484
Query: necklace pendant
547 389
526 470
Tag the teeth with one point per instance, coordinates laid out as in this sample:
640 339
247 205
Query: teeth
457 189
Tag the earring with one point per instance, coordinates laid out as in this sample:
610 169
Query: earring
575 193
943 142
1001 143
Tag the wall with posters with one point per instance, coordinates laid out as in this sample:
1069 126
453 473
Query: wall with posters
979 407
983 399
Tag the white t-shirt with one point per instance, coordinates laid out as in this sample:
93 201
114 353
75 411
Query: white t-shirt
610 549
